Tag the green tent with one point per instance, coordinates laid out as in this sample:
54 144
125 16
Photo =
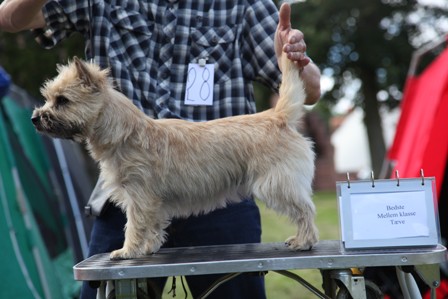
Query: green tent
35 256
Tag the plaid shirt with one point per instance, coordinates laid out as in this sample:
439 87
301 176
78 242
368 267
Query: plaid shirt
148 45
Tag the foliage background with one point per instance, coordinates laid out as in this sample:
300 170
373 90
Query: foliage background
366 46
28 64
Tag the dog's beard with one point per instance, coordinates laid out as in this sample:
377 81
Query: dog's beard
48 124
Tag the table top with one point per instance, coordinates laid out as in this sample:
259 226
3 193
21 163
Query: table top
327 254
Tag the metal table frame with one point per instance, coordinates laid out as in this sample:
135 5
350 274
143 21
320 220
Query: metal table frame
327 256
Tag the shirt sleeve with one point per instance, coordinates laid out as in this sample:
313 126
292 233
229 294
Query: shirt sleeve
258 44
62 19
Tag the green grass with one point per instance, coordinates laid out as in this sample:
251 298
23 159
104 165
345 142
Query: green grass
276 229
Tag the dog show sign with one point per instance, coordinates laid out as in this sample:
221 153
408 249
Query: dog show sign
388 213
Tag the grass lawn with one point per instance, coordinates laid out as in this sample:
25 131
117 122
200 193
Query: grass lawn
276 229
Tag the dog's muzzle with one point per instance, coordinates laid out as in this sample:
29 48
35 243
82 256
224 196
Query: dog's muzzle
46 124
37 121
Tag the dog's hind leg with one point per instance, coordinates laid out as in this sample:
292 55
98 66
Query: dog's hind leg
307 234
290 196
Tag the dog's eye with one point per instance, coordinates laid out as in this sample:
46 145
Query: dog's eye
61 100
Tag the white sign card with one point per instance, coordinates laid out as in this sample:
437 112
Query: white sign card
388 213
199 87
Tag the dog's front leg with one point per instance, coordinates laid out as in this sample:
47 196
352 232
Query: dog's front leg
144 233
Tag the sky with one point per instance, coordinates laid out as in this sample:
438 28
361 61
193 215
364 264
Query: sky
441 3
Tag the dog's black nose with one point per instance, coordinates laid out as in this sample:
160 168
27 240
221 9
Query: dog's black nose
35 119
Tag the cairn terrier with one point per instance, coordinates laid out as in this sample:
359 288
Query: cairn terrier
160 169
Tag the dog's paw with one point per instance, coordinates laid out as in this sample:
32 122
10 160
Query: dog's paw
296 243
122 254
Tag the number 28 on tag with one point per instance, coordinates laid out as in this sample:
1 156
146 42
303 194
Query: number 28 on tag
199 87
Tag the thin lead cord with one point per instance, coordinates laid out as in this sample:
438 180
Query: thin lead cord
92 58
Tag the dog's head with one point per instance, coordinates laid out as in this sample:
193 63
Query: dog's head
73 101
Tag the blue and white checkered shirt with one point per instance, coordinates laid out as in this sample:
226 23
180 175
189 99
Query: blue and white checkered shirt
149 44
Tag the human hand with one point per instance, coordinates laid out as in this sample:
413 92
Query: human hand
18 15
290 41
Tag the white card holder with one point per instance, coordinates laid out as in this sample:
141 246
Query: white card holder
390 213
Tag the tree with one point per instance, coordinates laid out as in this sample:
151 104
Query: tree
370 41
29 64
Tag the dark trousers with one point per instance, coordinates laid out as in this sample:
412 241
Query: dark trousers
236 224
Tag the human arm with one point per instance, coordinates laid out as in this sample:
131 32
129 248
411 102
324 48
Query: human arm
19 15
291 42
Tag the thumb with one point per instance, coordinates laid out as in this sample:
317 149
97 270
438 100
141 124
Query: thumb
284 16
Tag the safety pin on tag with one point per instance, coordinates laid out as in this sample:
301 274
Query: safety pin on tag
202 61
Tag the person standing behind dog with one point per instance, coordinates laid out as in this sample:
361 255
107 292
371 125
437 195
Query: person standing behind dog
151 48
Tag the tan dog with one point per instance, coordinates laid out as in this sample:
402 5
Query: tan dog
160 169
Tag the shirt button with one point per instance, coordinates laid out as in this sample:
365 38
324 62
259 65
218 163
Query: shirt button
164 75
214 40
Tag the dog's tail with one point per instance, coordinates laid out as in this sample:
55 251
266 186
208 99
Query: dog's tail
292 93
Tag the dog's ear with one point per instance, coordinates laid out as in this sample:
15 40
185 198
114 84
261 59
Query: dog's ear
59 67
84 72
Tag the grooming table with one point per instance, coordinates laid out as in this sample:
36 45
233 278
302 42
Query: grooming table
231 260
